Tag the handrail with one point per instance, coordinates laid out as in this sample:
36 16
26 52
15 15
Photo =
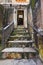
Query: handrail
37 29
8 25
6 32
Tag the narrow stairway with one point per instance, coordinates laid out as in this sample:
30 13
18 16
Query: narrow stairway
20 42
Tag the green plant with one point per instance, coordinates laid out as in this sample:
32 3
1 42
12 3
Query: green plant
14 33
33 3
1 8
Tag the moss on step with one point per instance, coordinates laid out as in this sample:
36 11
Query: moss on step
0 46
14 33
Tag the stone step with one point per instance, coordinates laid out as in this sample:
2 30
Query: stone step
20 30
21 41
19 45
23 33
19 49
20 36
20 26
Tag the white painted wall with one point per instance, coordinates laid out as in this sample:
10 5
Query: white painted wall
25 17
15 18
30 18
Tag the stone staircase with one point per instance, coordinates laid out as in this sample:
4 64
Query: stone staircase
19 42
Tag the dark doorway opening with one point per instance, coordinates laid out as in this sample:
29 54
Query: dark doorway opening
20 17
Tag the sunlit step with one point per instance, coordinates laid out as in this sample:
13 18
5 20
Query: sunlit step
17 49
21 41
21 36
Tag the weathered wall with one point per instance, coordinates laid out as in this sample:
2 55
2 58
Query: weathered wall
25 17
41 13
15 18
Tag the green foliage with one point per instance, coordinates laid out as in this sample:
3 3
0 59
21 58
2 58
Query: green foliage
14 33
0 55
0 36
1 8
33 3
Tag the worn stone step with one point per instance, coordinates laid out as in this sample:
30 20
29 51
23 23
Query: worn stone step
19 45
21 41
22 30
19 31
20 36
20 26
23 33
19 49
16 32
